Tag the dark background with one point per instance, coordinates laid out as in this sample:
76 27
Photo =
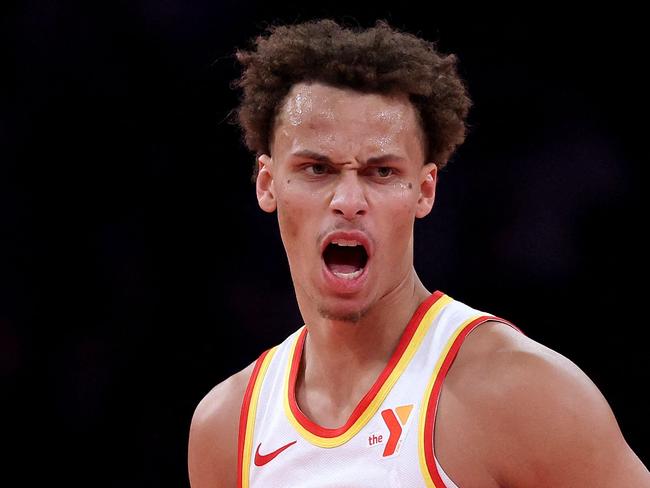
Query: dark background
136 270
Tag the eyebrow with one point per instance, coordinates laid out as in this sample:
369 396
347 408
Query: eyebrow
321 158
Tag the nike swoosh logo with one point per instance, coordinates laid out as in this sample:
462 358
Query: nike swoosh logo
262 459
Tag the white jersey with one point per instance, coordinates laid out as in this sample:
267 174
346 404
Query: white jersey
388 439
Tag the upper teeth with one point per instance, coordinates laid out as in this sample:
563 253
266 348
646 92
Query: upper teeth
343 242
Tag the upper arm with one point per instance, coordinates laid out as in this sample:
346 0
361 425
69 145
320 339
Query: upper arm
557 428
212 445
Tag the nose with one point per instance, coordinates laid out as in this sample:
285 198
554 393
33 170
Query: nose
349 199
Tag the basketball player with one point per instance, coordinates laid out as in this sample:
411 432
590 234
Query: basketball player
388 384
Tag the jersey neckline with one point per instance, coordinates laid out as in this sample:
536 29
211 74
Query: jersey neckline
408 344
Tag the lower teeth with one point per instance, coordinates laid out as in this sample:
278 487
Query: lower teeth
349 276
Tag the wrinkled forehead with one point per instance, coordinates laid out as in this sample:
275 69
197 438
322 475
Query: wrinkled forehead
320 113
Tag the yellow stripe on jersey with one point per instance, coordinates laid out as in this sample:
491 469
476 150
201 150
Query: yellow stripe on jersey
371 410
250 424
425 401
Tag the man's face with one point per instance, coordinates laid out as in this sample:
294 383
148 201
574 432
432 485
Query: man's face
347 178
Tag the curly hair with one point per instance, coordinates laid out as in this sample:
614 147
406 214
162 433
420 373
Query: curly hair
380 59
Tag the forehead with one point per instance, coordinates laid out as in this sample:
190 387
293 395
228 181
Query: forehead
343 120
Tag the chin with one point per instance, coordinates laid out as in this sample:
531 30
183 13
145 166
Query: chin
349 313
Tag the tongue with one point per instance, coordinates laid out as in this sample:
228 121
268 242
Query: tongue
344 259
343 268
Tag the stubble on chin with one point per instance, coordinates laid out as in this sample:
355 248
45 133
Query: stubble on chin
351 317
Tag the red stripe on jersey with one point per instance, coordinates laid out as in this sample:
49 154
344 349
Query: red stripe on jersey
243 416
363 404
432 404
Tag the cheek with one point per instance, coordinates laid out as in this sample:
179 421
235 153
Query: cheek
399 199
293 210
397 204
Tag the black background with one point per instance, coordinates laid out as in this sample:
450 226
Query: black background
137 271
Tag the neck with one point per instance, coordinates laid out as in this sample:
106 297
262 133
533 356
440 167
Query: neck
341 360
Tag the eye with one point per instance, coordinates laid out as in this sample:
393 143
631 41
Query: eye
317 169
384 171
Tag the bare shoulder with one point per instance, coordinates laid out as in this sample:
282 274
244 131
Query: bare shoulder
212 446
547 422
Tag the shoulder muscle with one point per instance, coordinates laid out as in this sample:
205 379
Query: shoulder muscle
212 446
553 424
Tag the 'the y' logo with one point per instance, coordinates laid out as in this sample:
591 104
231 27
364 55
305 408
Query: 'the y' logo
395 419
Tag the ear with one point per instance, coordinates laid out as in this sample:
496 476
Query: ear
428 180
264 184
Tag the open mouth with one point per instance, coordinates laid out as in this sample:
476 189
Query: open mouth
345 258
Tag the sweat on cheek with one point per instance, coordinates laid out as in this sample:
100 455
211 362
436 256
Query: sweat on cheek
402 185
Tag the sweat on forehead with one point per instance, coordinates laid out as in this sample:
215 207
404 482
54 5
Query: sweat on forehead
320 100
321 108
